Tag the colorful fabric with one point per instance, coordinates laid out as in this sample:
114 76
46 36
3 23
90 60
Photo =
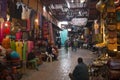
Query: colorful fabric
18 35
1 31
7 28
19 46
30 46
12 44
24 51
6 43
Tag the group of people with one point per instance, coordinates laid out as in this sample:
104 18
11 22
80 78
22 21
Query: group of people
74 44
79 73
48 49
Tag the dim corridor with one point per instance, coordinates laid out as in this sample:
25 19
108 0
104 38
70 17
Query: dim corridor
59 70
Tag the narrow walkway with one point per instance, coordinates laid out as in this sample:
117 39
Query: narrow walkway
59 70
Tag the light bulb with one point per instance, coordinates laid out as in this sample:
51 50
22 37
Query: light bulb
36 20
6 24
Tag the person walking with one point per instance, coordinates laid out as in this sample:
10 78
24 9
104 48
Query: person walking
66 45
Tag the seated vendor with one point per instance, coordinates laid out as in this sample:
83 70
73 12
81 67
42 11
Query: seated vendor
33 59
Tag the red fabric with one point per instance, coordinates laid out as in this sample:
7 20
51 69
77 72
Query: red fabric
1 32
6 29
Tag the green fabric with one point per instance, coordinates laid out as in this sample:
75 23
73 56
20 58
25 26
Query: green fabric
12 45
24 51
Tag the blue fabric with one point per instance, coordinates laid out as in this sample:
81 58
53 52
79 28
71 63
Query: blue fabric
64 36
14 54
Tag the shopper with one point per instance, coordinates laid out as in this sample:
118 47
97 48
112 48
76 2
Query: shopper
80 72
75 44
66 45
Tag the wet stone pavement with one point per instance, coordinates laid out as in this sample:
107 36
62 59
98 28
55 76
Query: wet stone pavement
59 70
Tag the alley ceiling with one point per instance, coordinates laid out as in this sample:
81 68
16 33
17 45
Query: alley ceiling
72 10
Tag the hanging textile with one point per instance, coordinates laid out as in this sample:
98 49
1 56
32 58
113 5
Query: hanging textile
24 57
13 45
32 18
6 42
19 46
6 30
30 45
63 36
18 35
19 10
12 8
1 31
3 8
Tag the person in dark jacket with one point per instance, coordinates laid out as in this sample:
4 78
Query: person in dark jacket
33 59
80 72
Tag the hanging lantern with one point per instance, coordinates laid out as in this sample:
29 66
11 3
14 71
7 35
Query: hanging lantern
100 6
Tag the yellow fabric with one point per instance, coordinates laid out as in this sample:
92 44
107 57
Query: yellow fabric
101 44
19 50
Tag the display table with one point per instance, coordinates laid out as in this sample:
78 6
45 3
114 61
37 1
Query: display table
99 68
